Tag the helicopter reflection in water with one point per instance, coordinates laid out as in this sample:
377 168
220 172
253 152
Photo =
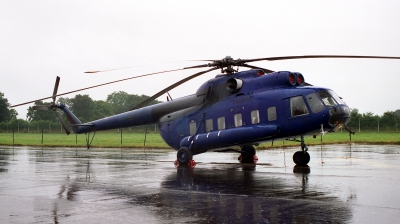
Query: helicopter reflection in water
241 195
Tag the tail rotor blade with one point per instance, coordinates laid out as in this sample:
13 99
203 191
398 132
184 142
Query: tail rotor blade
56 89
62 122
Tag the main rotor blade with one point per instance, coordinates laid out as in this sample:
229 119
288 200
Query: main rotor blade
155 96
115 69
62 122
198 66
55 89
255 67
316 56
40 107
107 83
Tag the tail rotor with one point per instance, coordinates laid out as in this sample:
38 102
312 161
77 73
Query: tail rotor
54 107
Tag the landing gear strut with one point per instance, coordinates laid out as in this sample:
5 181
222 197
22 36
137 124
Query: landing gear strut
301 158
248 155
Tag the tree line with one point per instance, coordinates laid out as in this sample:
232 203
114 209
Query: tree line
388 122
83 106
87 109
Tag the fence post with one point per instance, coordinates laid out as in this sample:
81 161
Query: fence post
378 124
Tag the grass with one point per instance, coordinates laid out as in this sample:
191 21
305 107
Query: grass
101 140
379 138
154 140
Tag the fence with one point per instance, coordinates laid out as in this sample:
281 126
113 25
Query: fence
22 126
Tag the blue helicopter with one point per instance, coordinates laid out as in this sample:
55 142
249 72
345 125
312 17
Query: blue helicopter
233 110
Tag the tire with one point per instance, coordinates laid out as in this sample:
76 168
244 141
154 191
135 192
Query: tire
184 155
247 155
301 158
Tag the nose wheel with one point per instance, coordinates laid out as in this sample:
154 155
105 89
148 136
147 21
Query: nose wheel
302 157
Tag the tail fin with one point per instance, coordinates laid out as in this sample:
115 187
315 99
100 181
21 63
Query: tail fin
73 120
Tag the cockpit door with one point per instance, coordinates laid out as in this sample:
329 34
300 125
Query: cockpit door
299 115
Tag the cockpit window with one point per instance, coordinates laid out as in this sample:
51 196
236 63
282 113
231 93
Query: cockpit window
298 106
336 97
327 98
315 103
330 98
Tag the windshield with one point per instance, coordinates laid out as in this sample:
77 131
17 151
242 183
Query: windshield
330 98
336 97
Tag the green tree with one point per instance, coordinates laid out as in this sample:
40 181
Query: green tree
122 101
6 114
13 114
82 106
354 118
369 121
66 101
40 115
102 109
118 101
389 121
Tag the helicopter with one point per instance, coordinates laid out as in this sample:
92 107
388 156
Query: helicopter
232 110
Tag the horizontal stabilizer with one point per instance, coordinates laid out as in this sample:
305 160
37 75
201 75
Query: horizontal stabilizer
82 124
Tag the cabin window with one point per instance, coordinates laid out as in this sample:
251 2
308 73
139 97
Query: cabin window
221 123
255 117
298 106
209 125
272 113
238 120
192 127
315 103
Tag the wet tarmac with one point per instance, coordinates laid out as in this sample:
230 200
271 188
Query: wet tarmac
360 184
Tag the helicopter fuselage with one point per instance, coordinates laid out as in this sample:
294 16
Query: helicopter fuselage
244 108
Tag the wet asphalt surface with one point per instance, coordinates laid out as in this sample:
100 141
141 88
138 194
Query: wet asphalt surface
357 184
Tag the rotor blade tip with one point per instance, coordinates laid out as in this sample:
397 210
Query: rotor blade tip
91 71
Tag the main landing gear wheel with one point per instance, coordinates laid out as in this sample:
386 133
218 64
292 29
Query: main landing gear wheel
248 155
184 156
301 158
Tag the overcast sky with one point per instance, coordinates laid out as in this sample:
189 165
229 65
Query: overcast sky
40 40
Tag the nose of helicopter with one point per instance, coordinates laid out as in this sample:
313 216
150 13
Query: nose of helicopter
339 116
